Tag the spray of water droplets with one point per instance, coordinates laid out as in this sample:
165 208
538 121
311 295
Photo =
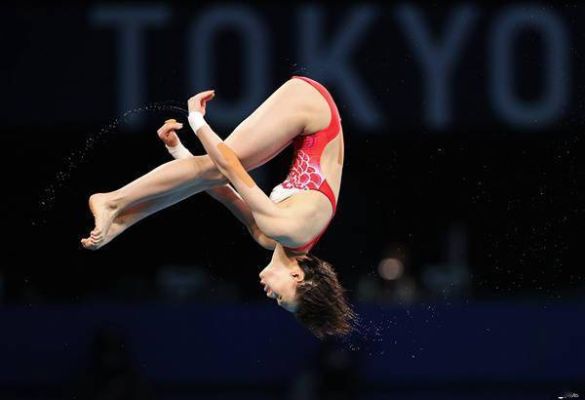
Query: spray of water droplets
78 156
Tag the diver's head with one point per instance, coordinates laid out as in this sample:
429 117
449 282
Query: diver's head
308 287
281 278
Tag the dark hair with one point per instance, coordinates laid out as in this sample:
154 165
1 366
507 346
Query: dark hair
322 305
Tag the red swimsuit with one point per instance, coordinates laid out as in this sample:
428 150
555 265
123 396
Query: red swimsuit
305 172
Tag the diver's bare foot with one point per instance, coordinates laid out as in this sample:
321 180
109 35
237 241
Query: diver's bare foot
115 229
104 212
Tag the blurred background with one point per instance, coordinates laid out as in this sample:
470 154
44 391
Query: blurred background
457 235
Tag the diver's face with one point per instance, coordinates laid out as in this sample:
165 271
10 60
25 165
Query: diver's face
279 280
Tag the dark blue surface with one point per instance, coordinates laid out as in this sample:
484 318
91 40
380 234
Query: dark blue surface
257 344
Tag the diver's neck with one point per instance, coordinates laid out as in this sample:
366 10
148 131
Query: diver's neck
283 256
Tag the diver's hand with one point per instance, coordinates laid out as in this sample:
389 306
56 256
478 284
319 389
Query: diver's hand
168 133
198 102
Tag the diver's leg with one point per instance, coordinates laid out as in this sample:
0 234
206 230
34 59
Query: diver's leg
160 188
138 212
261 136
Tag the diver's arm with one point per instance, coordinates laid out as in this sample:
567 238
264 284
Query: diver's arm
225 194
278 223
233 201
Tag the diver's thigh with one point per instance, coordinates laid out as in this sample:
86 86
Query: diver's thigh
272 126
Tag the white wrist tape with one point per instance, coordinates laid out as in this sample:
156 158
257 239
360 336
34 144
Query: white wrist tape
179 151
196 120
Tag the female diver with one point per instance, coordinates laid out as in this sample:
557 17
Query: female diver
290 221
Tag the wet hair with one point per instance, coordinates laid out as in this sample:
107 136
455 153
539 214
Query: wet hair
322 304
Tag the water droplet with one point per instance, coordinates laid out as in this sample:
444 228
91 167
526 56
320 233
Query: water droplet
79 156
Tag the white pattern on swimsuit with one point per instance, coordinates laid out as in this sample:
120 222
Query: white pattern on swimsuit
303 175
